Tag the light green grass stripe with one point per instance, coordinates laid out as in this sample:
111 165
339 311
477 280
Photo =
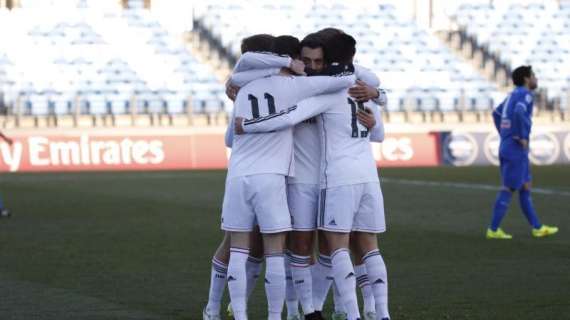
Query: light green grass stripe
474 186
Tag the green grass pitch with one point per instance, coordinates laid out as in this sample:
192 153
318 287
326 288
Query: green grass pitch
138 246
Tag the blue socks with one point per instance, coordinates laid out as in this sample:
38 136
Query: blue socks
1 203
528 209
500 208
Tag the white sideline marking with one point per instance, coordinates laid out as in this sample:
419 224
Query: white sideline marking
475 186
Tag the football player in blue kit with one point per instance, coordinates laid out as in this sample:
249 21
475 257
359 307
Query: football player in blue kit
513 120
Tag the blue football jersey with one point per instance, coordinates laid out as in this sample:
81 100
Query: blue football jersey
513 120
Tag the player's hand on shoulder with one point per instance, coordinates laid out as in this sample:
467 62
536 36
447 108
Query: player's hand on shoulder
298 67
238 125
231 90
363 92
366 118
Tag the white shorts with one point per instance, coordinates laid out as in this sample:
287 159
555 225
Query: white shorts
303 202
257 199
357 207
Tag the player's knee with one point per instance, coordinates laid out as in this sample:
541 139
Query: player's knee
365 242
274 243
223 251
240 239
301 243
323 244
336 240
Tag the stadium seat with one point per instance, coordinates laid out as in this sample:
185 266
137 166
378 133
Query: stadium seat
95 55
386 42
535 34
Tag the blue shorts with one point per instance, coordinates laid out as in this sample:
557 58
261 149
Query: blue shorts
515 172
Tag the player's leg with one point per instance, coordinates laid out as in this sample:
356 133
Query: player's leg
343 272
254 261
303 204
218 277
299 256
253 264
336 216
272 213
238 218
339 311
362 280
366 245
275 282
291 298
237 275
527 207
321 273
369 220
510 173
323 281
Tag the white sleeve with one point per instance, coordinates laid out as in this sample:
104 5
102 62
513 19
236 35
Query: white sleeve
382 99
307 87
229 137
377 132
367 76
372 80
289 117
255 60
240 79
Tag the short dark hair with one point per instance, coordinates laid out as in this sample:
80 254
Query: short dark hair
258 42
313 41
340 48
287 45
520 73
327 33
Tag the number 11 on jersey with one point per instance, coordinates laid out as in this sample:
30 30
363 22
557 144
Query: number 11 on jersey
354 121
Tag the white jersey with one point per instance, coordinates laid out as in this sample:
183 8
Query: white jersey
272 152
346 156
306 139
307 148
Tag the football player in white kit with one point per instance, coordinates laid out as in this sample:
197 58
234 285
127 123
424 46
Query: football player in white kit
250 60
256 185
303 189
351 199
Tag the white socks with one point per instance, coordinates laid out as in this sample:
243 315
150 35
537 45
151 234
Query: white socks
378 278
302 280
275 285
237 282
345 281
337 300
252 270
322 280
291 299
217 286
365 288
